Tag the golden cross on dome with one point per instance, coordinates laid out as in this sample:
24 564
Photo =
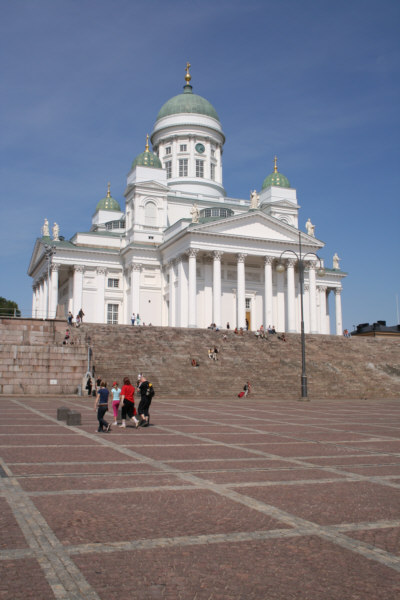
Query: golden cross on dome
188 77
147 144
275 167
108 190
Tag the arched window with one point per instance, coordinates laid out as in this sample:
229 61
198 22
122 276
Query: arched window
150 214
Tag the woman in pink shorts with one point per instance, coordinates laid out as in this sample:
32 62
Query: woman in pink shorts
115 392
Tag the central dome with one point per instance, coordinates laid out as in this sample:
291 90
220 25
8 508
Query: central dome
188 103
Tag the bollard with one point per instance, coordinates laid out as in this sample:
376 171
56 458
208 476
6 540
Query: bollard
62 413
74 418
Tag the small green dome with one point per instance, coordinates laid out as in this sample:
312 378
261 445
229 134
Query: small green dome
276 179
187 103
108 203
147 159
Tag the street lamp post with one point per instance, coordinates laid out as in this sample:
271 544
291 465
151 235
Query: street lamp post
281 268
49 252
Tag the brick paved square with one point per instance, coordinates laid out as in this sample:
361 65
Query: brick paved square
141 515
337 502
387 538
298 568
23 580
11 535
262 505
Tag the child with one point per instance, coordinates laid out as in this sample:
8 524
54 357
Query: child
116 392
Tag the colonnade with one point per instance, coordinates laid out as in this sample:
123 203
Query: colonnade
280 306
183 294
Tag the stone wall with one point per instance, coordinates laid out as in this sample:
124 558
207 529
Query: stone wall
34 360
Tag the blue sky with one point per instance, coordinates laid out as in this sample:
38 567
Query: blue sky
315 82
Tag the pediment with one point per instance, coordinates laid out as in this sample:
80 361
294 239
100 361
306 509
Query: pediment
253 224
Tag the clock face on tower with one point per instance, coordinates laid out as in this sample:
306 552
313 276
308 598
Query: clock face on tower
199 148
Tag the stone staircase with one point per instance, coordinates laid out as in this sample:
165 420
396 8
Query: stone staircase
34 360
359 367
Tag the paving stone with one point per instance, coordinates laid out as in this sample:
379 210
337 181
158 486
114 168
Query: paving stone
196 510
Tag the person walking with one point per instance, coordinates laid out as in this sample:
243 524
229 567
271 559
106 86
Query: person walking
115 392
128 402
89 385
247 388
101 405
146 394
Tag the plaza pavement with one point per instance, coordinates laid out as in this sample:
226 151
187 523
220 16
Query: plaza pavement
216 500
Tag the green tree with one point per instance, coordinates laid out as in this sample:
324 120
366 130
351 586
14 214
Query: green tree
8 308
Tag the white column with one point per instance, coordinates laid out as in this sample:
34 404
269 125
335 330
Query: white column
306 307
182 314
291 296
172 296
191 161
53 290
280 324
78 288
192 287
40 308
338 310
46 297
135 288
217 288
100 295
267 291
241 291
322 307
34 289
313 298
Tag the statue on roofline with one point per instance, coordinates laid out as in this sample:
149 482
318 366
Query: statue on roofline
310 228
195 213
336 261
254 198
45 229
56 231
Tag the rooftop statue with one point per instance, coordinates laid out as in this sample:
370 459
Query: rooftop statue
336 261
56 231
254 198
195 213
310 228
45 229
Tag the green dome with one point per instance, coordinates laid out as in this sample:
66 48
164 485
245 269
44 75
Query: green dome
276 179
188 103
108 203
147 159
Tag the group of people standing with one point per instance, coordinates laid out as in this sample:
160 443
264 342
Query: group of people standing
124 397
78 318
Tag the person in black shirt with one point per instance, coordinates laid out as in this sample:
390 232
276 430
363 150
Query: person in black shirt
145 401
101 405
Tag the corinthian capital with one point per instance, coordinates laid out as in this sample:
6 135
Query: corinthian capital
193 252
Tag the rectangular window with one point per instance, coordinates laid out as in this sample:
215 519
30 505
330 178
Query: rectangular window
199 168
183 167
113 283
168 168
183 148
112 314
212 152
168 150
247 303
212 171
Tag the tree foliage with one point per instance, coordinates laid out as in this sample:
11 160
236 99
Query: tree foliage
8 308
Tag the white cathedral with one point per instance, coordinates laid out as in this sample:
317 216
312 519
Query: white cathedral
182 253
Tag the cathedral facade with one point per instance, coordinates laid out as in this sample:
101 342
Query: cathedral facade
180 252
